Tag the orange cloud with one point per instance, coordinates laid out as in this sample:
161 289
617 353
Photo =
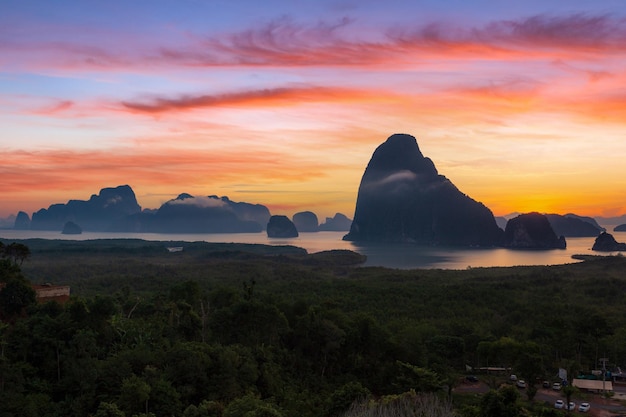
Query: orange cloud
43 173
286 96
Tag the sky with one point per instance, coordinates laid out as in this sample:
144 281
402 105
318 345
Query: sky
521 104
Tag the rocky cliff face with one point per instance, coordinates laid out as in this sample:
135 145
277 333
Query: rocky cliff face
306 221
95 214
570 225
531 231
605 242
189 214
338 223
22 221
281 226
402 198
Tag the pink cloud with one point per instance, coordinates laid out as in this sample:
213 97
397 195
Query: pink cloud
262 98
285 43
58 107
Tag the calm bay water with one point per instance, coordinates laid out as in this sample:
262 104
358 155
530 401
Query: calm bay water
403 256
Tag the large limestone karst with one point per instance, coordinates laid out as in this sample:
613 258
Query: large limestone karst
22 221
605 242
531 231
402 198
281 226
189 214
306 221
571 225
338 223
95 214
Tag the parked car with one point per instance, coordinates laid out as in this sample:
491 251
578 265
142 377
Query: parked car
471 378
546 384
556 386
559 404
571 406
513 377
521 383
584 407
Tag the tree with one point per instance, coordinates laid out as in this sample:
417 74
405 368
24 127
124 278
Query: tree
15 297
530 364
503 402
502 352
449 350
569 390
134 395
16 252
250 323
251 406
205 409
411 377
109 410
344 396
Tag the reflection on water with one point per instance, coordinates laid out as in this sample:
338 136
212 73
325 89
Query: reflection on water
403 256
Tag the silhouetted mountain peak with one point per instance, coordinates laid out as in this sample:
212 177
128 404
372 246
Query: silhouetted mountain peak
183 196
399 153
403 198
605 242
189 214
339 223
306 221
95 214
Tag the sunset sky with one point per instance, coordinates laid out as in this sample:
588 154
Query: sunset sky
521 104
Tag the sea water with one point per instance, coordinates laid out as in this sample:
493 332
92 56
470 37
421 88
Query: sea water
402 256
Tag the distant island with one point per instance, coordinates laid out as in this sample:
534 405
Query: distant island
71 228
115 209
607 243
401 198
532 231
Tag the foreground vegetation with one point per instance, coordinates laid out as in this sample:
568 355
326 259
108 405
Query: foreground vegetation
247 330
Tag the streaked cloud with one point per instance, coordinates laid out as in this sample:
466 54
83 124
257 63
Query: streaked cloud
55 108
285 42
285 96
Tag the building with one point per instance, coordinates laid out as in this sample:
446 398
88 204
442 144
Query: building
49 292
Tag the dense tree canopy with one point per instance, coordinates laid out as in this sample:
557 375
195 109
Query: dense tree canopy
242 334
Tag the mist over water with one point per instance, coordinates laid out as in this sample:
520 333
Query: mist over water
402 256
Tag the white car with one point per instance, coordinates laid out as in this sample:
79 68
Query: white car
556 386
571 406
584 407
521 383
559 404
513 377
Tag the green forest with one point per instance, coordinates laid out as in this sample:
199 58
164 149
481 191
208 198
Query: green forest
234 330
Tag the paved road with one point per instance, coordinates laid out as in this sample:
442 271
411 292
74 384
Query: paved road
600 407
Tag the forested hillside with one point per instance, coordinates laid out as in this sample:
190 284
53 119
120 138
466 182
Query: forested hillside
247 330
